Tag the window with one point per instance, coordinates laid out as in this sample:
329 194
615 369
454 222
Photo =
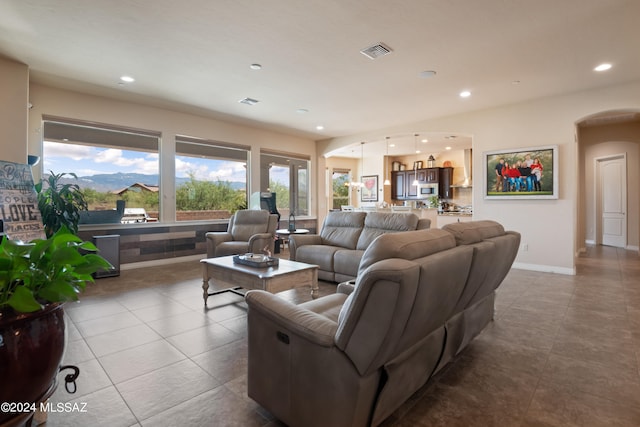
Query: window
211 179
287 176
111 164
340 180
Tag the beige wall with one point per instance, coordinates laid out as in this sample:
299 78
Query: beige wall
14 87
603 141
548 227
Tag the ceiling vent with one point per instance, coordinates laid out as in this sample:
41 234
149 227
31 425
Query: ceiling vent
248 101
376 51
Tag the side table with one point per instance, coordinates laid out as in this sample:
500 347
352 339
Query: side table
284 233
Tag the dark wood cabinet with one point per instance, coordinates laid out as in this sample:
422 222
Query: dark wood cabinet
402 187
397 185
432 175
444 186
410 190
422 176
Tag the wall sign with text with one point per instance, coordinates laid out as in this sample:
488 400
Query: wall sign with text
19 203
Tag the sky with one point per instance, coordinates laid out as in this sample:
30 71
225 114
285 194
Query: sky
85 160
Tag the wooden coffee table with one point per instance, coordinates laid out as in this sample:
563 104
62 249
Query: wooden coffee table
287 275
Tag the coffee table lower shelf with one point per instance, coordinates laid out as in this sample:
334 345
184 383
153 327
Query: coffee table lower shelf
287 275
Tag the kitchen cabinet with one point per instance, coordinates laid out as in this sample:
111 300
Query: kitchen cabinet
410 190
444 185
397 185
432 175
402 187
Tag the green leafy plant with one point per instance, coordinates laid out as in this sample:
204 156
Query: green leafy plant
51 270
433 201
60 204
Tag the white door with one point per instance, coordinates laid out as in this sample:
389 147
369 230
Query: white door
613 185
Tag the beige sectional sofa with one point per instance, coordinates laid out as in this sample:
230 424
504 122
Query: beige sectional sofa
344 236
353 357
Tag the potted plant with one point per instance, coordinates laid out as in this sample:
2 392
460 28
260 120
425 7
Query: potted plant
36 278
60 204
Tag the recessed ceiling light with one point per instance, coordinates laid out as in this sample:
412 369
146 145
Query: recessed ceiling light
427 74
447 148
127 79
392 145
255 66
602 67
465 94
424 141
319 127
302 110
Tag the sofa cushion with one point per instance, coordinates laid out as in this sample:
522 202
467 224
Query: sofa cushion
321 255
249 222
468 233
232 248
342 229
410 246
328 306
378 223
346 262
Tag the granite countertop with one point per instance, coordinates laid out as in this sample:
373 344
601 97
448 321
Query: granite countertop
455 213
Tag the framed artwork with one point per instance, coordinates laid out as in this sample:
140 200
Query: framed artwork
369 190
523 173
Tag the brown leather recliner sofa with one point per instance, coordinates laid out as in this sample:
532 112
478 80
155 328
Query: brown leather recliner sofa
344 236
353 357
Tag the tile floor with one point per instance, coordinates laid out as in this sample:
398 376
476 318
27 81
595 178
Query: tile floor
562 351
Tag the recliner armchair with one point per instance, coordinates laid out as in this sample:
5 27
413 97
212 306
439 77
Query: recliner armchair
351 358
248 231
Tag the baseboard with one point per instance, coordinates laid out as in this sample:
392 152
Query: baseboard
159 262
545 268
633 248
590 242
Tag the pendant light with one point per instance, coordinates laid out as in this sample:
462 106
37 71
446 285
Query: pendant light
387 181
415 164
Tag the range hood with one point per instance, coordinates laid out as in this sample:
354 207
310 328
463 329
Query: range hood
466 182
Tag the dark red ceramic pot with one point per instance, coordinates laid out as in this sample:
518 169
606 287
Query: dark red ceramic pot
31 350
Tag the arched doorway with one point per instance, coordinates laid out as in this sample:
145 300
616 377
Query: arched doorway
604 137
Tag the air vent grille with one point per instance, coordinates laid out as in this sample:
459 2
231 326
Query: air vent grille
248 101
376 51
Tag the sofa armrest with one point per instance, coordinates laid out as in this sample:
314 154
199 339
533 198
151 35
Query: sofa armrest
423 224
304 323
346 288
258 243
297 240
214 238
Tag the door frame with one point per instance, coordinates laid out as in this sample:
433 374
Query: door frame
597 188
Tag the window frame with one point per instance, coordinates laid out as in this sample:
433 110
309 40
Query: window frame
212 150
294 162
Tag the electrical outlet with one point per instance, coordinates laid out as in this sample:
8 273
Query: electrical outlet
525 247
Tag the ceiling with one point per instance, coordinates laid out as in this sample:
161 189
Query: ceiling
195 56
